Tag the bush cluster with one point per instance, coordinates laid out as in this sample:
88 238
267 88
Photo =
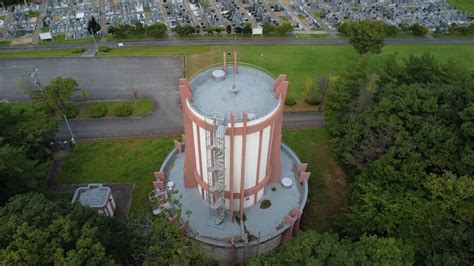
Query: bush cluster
157 30
122 110
96 110
71 111
184 30
78 50
104 49
290 101
280 30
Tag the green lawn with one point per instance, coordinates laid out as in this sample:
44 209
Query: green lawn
301 62
36 53
61 38
159 50
327 182
132 160
135 160
463 5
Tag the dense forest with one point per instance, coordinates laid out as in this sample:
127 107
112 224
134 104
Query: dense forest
404 133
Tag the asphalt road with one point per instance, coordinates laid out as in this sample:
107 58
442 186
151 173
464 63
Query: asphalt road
153 126
256 41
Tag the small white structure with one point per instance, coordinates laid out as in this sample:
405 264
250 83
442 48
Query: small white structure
45 36
97 197
257 31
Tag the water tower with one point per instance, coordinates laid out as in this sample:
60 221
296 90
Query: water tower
246 190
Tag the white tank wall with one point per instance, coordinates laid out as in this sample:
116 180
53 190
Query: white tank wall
251 159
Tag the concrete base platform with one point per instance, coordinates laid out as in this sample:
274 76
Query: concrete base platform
264 227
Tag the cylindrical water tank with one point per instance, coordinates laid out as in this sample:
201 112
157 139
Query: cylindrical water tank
247 103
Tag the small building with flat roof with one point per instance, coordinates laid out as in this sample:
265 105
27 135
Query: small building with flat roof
97 197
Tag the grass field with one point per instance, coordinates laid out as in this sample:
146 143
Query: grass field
132 160
61 38
135 160
327 182
463 5
37 53
301 62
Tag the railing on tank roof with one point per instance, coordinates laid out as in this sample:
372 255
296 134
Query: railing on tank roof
237 117
203 70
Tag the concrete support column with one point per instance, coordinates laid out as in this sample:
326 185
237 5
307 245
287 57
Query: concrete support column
231 177
189 160
242 177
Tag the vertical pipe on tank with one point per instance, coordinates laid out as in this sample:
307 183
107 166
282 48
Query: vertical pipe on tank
231 178
242 173
258 163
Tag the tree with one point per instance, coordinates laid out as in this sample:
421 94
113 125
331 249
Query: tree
29 129
313 248
367 36
35 230
85 94
344 28
418 30
18 173
403 132
58 91
184 30
162 242
157 30
92 26
283 29
247 29
228 29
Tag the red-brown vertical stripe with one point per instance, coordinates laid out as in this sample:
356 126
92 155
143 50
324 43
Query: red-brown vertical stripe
258 163
231 178
242 174
200 156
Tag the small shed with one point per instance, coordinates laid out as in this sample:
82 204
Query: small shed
97 197
45 36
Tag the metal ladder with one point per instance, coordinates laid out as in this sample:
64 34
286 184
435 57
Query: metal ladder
215 148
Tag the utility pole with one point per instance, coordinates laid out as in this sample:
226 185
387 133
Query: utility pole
73 140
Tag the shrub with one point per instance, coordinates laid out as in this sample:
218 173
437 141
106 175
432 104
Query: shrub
265 204
184 30
96 110
78 50
289 101
122 110
313 99
104 49
71 111
418 30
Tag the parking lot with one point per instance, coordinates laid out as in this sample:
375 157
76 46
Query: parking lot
104 78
